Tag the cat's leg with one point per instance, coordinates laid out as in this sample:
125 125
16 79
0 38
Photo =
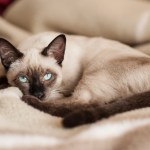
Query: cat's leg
74 112
60 107
95 111
84 115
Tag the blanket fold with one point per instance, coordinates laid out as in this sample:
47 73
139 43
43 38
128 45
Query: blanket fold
123 20
22 126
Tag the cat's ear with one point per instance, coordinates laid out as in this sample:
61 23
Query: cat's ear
56 48
8 53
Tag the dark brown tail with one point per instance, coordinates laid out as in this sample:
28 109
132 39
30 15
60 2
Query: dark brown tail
94 112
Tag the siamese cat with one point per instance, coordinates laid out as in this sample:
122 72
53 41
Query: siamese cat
79 78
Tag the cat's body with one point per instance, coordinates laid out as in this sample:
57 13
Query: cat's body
106 69
94 71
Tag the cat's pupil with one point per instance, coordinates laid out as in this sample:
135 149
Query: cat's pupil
23 79
47 76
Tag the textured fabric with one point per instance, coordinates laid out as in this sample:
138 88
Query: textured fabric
125 20
23 127
145 48
11 32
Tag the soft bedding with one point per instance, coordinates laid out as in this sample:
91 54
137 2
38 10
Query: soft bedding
123 20
23 127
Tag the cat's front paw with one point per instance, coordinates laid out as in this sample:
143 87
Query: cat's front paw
31 100
77 118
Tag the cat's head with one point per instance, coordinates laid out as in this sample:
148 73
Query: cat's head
36 73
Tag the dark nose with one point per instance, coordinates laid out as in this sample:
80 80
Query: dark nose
39 95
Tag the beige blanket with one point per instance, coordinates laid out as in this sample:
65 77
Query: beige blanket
23 127
125 20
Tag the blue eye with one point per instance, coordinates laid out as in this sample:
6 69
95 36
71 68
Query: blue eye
22 78
47 76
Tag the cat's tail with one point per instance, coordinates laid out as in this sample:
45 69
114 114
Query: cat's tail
93 112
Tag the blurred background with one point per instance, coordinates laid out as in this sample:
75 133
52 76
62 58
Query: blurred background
127 21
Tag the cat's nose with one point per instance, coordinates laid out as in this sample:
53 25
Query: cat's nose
39 95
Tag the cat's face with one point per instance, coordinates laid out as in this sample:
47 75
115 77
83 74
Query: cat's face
35 73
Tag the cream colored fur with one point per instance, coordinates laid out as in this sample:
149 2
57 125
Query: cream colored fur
24 127
94 68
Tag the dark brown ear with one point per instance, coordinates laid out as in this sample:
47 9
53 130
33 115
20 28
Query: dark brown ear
8 53
56 48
